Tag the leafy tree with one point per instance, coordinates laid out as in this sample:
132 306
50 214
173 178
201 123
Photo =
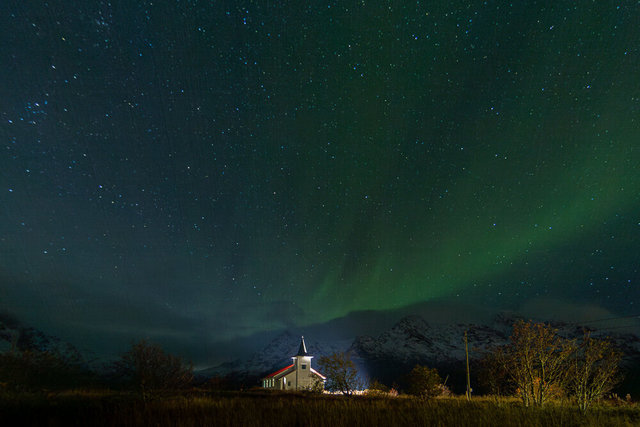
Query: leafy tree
593 371
148 368
424 382
341 373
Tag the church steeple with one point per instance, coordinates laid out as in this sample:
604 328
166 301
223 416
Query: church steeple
302 351
297 376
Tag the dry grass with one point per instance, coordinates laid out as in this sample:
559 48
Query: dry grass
107 408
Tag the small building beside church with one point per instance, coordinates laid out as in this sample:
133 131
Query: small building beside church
297 376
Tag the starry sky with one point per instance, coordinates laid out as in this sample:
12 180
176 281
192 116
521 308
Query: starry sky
199 171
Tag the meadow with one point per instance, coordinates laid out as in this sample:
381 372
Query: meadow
110 408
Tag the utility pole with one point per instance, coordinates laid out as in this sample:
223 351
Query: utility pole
466 351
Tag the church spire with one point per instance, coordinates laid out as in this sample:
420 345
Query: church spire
302 351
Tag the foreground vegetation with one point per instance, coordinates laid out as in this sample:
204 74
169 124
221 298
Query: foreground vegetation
107 408
549 380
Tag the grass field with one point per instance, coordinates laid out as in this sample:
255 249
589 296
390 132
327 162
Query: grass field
106 408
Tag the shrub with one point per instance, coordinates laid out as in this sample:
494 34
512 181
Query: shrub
424 382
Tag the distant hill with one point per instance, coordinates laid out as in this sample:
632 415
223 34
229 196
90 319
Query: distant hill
14 333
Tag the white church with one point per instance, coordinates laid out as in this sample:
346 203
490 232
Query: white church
297 376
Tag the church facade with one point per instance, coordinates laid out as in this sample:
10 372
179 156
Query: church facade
297 376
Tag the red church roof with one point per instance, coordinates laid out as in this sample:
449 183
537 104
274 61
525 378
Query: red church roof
279 371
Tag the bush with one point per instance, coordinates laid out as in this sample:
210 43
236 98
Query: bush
376 388
424 382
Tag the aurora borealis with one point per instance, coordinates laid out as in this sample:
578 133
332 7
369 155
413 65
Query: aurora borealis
201 171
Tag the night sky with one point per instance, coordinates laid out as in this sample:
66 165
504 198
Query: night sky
199 171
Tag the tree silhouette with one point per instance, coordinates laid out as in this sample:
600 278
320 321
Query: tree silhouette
593 371
424 382
493 374
149 369
341 372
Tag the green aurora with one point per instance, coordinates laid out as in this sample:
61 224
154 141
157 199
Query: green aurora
196 172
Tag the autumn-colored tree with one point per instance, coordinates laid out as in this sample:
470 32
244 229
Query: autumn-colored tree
593 371
424 382
536 360
148 368
341 373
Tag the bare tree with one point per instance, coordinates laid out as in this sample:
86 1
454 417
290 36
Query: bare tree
594 370
493 374
517 370
147 367
536 360
341 372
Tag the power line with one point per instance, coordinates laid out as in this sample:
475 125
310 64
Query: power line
605 319
619 327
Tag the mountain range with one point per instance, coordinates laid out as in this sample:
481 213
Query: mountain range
382 350
392 353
